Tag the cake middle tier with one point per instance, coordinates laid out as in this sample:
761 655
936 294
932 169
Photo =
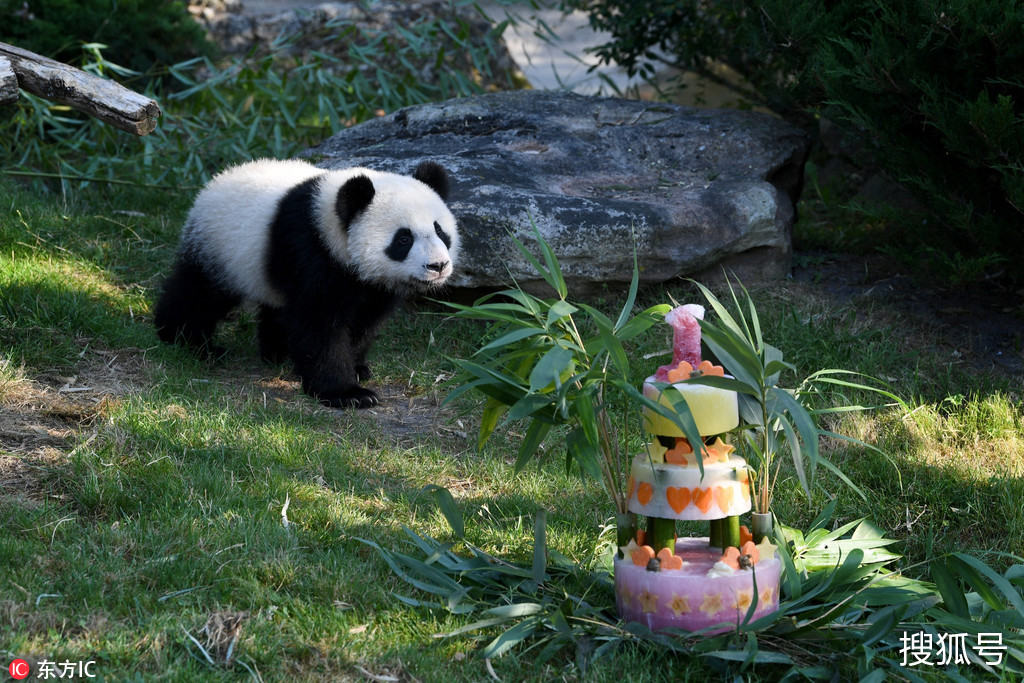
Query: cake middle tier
674 492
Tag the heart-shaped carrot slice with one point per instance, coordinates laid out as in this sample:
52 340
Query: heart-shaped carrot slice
703 499
644 492
642 555
669 560
681 372
723 496
678 498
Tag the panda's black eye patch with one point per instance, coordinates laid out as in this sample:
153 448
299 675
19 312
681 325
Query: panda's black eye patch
401 243
445 239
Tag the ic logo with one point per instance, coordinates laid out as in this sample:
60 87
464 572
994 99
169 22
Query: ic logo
19 669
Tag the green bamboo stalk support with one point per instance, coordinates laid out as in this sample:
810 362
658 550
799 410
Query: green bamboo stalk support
715 540
625 529
661 533
731 532
761 524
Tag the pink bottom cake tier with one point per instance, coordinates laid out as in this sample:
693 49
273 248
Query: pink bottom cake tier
700 594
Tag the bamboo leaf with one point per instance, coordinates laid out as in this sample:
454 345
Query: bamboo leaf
797 453
520 609
999 581
560 309
627 306
554 270
726 383
803 422
739 360
512 337
493 410
510 638
449 509
531 442
949 588
610 342
540 549
548 370
530 405
721 311
642 322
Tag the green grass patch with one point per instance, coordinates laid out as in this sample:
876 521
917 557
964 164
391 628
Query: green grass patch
146 494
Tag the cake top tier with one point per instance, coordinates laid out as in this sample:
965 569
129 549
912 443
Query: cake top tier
714 410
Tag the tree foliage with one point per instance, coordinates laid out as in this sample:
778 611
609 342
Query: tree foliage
934 88
138 34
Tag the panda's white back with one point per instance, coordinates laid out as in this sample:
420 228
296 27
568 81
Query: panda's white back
229 224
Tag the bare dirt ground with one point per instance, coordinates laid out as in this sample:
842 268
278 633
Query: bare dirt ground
981 323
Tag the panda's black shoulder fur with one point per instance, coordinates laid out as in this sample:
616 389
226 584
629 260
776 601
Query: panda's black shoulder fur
315 285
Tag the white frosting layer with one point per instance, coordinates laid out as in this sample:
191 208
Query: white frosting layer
674 492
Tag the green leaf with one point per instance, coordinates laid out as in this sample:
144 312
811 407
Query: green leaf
520 609
540 548
797 453
949 588
627 306
531 442
584 407
739 358
882 623
723 313
999 581
803 422
827 464
510 638
560 309
585 454
512 337
726 383
449 509
493 410
642 322
548 370
537 406
554 271
610 342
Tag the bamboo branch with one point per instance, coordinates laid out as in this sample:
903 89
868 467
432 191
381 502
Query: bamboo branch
99 97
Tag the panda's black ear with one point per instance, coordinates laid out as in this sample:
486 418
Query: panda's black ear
433 175
354 196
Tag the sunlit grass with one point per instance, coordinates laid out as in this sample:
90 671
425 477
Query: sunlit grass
170 501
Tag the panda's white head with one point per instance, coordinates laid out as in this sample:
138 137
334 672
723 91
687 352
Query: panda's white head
394 230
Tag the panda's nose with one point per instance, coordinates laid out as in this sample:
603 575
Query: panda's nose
438 266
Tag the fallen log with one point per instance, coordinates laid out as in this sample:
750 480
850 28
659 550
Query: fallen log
106 100
8 82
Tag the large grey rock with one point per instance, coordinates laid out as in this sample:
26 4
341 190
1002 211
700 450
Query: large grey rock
691 190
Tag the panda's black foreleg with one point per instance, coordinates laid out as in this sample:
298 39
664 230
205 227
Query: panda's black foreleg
273 337
327 361
190 307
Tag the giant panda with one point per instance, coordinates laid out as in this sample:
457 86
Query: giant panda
325 254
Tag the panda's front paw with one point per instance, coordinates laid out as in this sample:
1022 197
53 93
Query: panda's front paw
356 397
363 372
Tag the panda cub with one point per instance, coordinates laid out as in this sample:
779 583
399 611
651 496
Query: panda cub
326 255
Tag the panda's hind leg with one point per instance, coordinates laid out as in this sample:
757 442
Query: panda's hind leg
190 307
272 336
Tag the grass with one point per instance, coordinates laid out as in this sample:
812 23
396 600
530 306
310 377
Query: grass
150 502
